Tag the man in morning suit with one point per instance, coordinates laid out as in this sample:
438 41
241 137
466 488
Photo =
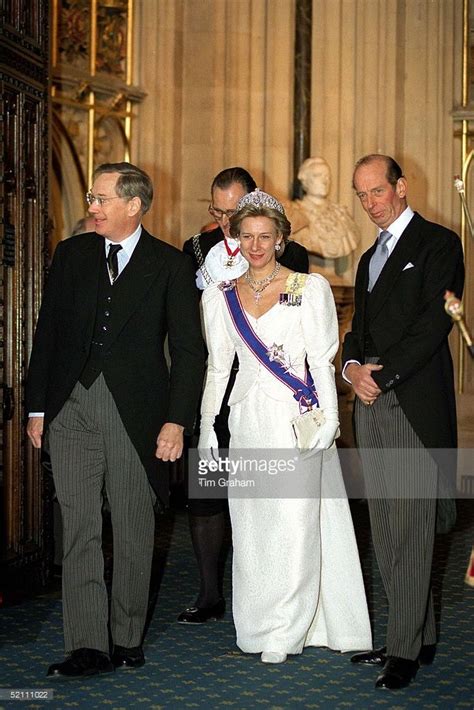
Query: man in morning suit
396 351
113 413
207 517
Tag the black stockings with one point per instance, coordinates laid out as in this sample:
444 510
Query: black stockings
207 534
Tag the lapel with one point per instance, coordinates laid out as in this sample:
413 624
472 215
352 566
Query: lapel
87 267
405 251
134 282
364 277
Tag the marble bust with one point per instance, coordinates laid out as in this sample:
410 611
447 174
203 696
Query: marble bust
323 227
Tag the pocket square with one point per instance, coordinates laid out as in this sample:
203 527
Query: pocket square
408 266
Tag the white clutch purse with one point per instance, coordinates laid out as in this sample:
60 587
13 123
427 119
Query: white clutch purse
306 428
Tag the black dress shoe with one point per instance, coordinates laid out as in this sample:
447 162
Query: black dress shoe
397 673
199 615
379 656
80 663
376 657
127 658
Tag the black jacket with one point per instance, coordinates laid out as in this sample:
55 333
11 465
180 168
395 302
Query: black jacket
294 257
405 318
154 297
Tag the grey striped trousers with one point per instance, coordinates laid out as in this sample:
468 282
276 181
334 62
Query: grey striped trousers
401 483
91 451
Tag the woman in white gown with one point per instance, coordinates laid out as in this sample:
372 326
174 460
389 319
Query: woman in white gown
296 573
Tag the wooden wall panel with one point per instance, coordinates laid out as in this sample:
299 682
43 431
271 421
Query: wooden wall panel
25 541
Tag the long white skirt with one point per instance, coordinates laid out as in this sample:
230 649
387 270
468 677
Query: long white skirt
297 579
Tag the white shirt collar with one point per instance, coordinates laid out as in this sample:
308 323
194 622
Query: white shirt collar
397 228
128 244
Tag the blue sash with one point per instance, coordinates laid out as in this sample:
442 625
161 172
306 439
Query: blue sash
303 390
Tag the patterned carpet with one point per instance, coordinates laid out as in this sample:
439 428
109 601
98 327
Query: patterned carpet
202 668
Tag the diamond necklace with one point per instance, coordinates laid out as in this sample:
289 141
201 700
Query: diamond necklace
259 285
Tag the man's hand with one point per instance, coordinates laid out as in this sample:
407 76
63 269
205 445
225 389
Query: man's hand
362 383
169 443
34 429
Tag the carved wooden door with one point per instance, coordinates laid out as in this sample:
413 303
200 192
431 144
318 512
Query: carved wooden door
24 32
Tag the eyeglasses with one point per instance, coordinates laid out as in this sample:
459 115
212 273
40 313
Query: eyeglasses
219 214
90 199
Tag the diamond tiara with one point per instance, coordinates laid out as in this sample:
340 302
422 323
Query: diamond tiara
258 198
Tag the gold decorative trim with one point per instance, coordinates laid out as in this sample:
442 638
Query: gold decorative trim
464 114
93 96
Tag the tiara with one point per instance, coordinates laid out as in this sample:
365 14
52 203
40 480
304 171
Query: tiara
258 198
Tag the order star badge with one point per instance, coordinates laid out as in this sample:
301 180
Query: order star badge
276 353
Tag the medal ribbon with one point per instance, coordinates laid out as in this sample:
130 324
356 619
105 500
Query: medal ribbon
304 391
229 251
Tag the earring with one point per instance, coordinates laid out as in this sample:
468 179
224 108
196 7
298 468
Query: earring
277 247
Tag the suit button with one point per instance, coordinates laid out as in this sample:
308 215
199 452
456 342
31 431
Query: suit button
107 313
104 327
397 377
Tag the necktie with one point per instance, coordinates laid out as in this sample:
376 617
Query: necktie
112 260
379 257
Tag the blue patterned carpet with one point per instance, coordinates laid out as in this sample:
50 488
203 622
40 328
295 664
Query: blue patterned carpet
202 668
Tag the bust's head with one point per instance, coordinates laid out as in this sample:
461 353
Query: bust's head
315 176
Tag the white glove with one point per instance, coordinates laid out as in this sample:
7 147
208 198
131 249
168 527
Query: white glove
208 446
327 395
329 431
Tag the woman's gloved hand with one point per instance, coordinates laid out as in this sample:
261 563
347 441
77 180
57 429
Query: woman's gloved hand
329 431
208 446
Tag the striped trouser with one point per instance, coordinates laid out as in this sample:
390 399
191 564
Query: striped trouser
91 451
401 483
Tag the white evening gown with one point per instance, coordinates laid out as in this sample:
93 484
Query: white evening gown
296 578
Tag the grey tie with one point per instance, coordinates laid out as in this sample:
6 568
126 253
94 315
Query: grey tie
379 257
112 260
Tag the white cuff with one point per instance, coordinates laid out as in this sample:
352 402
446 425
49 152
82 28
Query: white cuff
349 362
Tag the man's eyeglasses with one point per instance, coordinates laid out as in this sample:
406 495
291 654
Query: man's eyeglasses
219 214
90 199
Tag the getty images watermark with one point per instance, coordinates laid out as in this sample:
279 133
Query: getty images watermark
230 470
352 473
244 473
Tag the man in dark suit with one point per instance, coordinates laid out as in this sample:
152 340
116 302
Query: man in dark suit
207 517
112 410
397 352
